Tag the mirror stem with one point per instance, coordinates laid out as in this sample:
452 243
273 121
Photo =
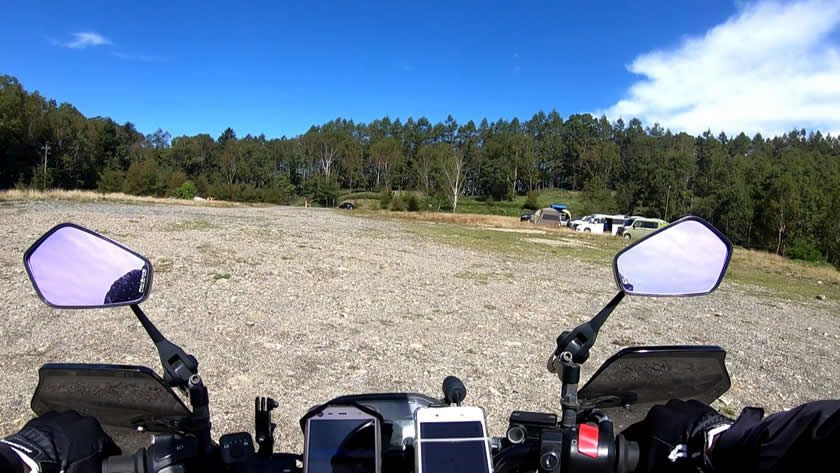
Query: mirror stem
147 324
578 342
569 400
178 366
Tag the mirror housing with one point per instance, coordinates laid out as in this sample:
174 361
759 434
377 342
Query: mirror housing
686 258
72 267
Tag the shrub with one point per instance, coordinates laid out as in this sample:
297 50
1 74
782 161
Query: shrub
172 181
187 190
359 196
531 201
281 191
412 203
385 198
111 180
397 204
598 199
804 250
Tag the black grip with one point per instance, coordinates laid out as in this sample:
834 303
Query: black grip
454 390
125 463
627 455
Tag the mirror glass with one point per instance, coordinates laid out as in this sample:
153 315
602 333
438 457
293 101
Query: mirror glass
74 268
685 258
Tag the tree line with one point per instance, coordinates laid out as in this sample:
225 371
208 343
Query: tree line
779 193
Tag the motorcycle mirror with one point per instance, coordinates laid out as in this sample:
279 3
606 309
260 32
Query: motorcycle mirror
74 268
687 258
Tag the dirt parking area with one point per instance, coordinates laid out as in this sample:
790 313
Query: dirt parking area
307 304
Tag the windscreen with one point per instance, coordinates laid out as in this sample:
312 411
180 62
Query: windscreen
453 447
635 379
341 445
117 396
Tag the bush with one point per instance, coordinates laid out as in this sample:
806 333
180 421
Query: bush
111 180
412 203
172 180
187 191
598 199
385 198
397 204
359 196
281 191
143 178
804 250
531 201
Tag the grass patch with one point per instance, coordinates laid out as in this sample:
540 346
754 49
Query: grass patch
199 225
92 196
163 265
595 248
218 276
769 275
482 220
481 278
782 277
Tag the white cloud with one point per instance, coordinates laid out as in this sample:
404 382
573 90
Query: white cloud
86 39
769 69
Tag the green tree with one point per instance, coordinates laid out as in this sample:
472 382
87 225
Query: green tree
597 198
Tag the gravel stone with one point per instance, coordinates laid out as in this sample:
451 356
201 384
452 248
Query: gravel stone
321 303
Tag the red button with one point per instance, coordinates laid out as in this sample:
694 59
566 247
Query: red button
588 440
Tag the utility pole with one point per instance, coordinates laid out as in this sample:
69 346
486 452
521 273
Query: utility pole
46 149
667 198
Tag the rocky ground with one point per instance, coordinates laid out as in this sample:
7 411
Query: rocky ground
320 303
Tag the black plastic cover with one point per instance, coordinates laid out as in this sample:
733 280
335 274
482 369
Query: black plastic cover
635 379
116 395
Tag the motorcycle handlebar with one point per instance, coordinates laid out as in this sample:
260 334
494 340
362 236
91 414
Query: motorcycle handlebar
513 458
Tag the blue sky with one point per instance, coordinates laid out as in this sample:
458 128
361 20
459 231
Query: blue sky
277 68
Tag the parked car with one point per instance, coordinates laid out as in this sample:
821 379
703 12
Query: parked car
628 222
602 224
575 223
347 206
642 227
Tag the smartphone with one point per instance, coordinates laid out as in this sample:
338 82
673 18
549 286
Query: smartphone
342 439
451 440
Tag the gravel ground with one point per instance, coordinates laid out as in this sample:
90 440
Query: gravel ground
321 303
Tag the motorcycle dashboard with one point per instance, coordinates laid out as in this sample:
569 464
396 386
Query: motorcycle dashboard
116 395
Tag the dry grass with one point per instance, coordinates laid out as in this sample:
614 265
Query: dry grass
91 196
776 275
773 263
475 220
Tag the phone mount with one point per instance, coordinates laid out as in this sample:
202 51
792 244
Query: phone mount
263 425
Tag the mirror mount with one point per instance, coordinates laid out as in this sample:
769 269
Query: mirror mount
179 367
180 370
571 352
578 342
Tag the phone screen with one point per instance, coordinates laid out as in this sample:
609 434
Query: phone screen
341 445
453 447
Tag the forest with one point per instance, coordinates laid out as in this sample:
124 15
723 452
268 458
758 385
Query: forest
780 193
